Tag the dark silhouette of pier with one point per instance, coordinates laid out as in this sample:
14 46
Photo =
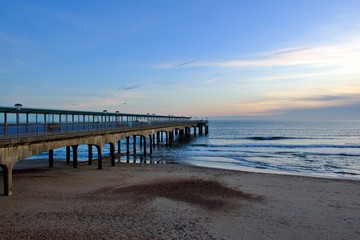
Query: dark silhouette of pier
25 132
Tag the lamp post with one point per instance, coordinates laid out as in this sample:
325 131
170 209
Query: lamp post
105 111
18 108
117 117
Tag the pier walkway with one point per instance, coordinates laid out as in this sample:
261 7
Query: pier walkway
25 132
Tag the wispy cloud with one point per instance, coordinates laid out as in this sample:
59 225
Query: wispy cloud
335 55
174 64
291 51
296 75
274 105
128 87
187 63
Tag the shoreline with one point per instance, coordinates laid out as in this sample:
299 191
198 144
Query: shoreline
163 201
43 163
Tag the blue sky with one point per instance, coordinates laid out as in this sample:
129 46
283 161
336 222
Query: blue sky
254 58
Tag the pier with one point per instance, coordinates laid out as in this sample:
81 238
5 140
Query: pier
25 132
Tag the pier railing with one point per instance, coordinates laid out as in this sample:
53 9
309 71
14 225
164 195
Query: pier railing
22 132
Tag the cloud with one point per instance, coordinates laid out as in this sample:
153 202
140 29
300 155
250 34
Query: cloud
176 64
278 105
346 112
336 98
344 54
128 87
296 75
187 63
290 51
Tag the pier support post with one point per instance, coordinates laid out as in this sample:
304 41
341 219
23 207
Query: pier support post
112 154
99 157
51 158
194 131
134 141
90 153
151 142
154 143
7 174
158 138
67 155
144 138
181 135
171 137
128 146
75 155
119 147
167 139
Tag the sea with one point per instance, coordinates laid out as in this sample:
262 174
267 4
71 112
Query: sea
328 149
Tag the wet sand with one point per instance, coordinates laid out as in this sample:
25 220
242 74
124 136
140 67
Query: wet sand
155 201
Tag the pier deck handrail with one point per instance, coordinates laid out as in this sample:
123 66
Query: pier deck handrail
41 131
20 124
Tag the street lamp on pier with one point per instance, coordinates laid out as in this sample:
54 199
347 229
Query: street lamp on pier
18 108
117 117
105 111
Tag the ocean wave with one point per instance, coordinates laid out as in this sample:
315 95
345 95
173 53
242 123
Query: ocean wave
284 146
199 144
304 154
275 138
346 173
272 138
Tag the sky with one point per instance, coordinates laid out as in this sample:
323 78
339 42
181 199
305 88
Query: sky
218 59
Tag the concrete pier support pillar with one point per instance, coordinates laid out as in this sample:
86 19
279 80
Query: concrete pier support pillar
90 153
51 158
167 139
134 142
200 130
75 155
67 155
158 138
119 147
206 129
171 137
181 135
151 142
7 174
99 157
128 146
112 154
144 138
194 131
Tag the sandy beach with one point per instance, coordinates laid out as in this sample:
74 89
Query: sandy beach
172 201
